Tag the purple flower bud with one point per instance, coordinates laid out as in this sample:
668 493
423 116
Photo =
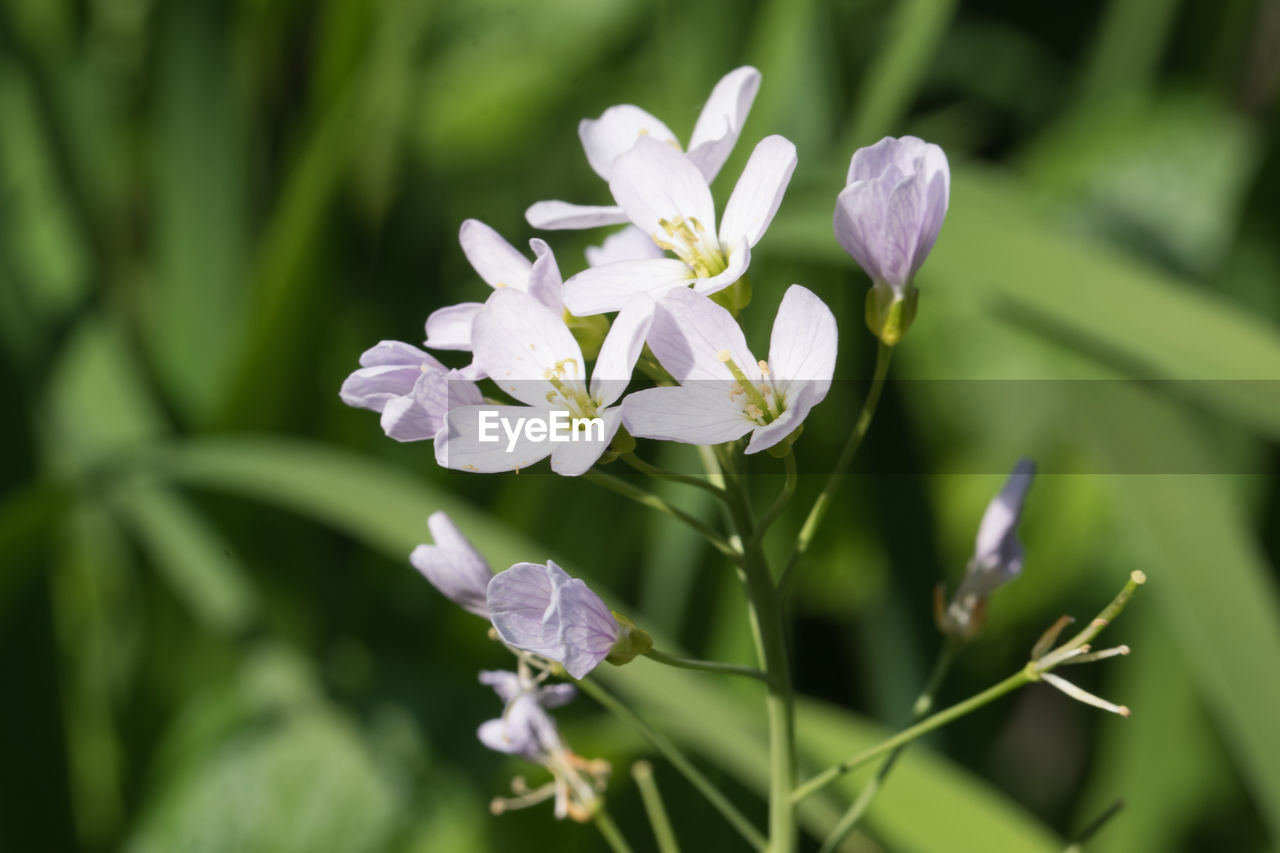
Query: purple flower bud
997 553
892 207
540 609
453 565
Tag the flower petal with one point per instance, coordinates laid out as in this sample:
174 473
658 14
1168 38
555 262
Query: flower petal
758 192
524 729
701 412
862 229
621 348
574 458
690 333
629 244
387 370
485 439
496 260
565 216
721 119
453 565
540 609
545 284
654 181
597 290
517 340
802 346
615 132
449 328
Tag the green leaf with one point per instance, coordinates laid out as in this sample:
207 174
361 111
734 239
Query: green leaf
194 305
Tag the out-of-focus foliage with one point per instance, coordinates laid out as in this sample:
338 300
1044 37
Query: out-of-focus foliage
211 638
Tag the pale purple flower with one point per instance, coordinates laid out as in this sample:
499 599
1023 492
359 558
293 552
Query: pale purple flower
540 609
454 566
997 553
665 195
888 217
500 265
524 729
628 244
619 128
509 685
724 392
409 388
532 355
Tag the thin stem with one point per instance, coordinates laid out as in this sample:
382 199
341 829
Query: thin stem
663 474
642 772
922 706
704 665
1083 837
973 703
671 753
609 830
649 499
784 497
767 623
823 502
1035 670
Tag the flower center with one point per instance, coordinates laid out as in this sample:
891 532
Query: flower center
689 240
760 403
570 393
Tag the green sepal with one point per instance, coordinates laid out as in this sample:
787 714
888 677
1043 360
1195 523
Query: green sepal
589 332
631 643
889 314
782 448
735 297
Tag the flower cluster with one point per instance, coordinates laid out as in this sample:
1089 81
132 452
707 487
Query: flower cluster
554 624
672 280
551 373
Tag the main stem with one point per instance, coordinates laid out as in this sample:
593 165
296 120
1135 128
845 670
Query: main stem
766 612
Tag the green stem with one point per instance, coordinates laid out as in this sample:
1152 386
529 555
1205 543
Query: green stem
823 502
663 474
767 623
609 830
649 499
1029 673
922 706
678 760
704 665
642 772
784 497
938 720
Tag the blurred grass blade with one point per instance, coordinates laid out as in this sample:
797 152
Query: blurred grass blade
1126 54
897 70
191 555
1208 576
194 306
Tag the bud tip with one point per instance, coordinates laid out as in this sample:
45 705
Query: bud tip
1138 577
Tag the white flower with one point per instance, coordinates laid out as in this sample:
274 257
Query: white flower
724 393
532 355
454 566
617 130
627 244
666 196
501 266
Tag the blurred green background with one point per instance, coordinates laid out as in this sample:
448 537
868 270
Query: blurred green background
210 634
